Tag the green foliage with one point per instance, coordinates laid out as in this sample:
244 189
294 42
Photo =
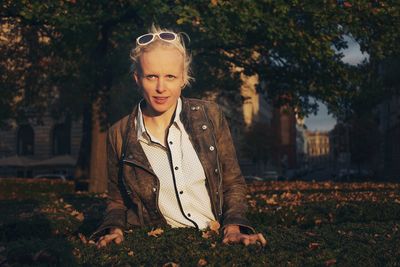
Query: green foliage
291 45
306 224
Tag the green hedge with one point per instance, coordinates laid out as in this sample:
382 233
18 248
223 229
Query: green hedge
306 224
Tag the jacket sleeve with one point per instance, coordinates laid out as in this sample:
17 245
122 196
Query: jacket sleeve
115 214
233 185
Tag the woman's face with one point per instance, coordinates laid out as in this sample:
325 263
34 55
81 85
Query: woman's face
161 80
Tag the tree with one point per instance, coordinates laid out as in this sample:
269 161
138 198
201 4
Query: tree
291 45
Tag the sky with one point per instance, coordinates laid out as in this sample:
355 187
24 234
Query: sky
324 121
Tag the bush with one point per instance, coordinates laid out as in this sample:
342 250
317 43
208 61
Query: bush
306 224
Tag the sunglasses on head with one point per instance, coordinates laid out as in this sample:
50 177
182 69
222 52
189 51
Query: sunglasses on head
150 37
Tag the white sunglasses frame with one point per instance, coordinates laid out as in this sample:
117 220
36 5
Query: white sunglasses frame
154 36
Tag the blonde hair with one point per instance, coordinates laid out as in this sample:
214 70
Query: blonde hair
179 44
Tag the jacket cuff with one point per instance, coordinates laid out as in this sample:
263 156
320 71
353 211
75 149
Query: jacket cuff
113 219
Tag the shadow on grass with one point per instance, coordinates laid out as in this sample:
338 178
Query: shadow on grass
27 237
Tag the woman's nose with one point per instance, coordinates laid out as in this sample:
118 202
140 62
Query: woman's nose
160 86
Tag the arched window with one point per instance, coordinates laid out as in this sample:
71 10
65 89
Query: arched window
25 140
61 139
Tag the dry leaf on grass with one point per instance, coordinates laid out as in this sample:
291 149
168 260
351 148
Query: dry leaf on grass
80 217
314 245
330 262
156 233
171 264
214 226
130 253
202 262
83 238
206 234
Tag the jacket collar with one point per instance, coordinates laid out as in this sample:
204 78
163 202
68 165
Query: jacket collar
134 152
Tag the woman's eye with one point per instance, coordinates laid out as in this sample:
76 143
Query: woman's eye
151 77
171 77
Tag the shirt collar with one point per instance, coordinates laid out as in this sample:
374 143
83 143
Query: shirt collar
142 133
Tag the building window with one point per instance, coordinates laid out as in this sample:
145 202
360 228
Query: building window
61 139
25 140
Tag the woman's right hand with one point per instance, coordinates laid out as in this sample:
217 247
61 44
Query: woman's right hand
115 235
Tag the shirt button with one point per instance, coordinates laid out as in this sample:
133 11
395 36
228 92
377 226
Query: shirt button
130 157
197 107
212 148
216 170
193 108
204 127
176 168
170 142
181 192
154 189
188 215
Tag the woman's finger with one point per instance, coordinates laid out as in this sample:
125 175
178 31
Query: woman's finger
104 240
262 239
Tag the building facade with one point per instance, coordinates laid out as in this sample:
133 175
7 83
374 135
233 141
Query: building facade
31 148
318 148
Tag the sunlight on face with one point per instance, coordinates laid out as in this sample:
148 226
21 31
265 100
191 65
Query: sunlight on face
161 79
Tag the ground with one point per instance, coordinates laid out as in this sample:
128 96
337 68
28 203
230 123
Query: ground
46 223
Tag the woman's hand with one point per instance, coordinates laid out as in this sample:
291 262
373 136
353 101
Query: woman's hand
115 235
232 234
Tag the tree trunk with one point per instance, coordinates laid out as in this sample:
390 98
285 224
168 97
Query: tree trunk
98 153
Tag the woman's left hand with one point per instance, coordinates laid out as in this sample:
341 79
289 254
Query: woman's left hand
233 235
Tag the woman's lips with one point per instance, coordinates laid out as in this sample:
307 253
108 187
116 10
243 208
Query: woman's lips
160 99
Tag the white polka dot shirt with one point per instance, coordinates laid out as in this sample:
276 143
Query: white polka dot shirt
183 197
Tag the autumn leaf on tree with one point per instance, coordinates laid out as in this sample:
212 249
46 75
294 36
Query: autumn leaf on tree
156 233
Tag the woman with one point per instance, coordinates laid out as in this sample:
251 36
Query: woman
172 161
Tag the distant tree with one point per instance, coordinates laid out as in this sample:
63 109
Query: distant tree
260 142
365 139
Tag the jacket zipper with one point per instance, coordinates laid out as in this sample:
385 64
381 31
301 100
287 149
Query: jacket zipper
157 193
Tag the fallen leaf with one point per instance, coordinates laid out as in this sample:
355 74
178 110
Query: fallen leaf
202 262
206 234
83 238
156 233
80 217
310 233
214 226
213 245
318 221
314 245
130 253
67 206
271 201
171 264
74 213
330 262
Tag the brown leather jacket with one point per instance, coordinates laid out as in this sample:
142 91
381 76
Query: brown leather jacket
133 187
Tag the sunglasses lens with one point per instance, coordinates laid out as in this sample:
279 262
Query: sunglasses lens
144 39
167 36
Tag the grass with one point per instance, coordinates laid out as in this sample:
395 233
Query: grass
306 224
